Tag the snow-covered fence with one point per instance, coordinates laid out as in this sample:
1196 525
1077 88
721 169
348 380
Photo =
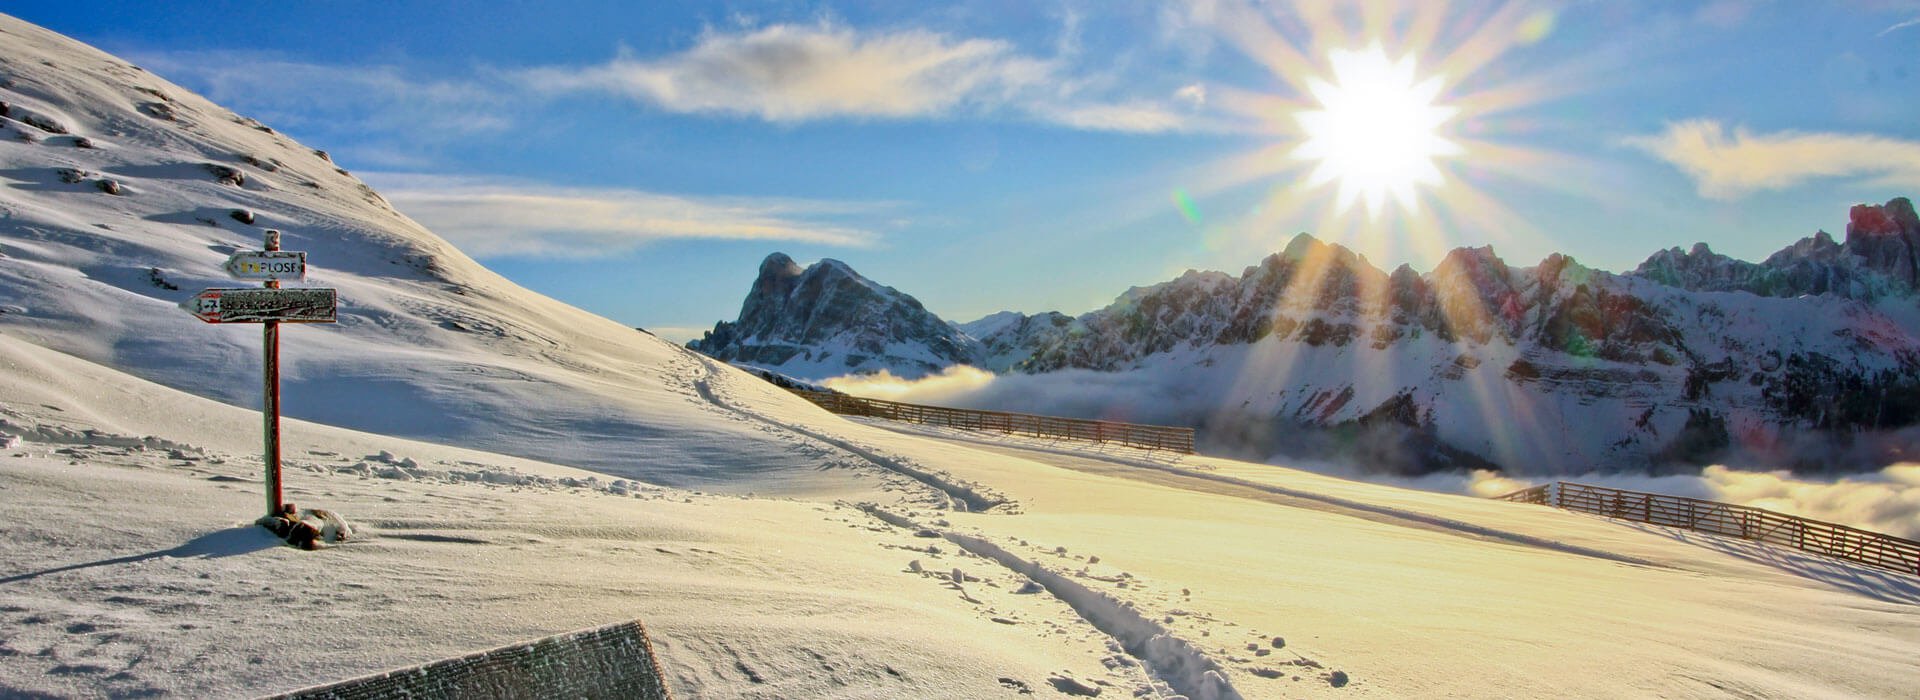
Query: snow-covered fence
1154 437
1745 522
615 661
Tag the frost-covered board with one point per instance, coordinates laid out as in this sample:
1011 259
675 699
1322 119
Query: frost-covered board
310 305
267 265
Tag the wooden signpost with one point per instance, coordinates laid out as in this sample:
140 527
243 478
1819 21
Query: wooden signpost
269 306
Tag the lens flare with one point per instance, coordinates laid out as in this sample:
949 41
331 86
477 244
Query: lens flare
1408 108
1377 131
1188 210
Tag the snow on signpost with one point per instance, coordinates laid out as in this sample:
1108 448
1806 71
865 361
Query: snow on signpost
267 265
269 306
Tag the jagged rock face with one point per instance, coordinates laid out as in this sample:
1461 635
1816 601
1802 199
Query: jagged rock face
1887 238
1701 269
1554 368
1019 340
1878 259
1325 295
828 316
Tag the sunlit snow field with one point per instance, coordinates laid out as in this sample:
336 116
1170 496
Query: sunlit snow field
520 468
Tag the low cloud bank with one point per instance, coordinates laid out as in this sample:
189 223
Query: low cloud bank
1070 393
934 389
1885 501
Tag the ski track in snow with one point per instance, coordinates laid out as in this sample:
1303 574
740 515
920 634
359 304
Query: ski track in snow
962 497
1180 664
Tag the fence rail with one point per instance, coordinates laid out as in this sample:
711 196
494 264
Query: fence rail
1745 522
1154 437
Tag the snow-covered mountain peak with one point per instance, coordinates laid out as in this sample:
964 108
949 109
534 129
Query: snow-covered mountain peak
990 324
779 265
827 319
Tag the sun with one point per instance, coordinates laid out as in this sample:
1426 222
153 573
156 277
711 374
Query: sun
1378 131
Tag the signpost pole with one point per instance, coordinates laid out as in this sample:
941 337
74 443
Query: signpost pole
269 307
271 410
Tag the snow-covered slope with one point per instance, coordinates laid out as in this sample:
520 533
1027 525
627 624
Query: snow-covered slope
429 343
129 568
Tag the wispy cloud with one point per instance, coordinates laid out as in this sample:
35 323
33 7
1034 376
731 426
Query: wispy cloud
499 218
1730 166
1915 22
313 96
793 73
1134 117
783 74
789 73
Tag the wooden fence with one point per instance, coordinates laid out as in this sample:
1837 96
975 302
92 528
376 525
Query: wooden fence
1748 523
1153 437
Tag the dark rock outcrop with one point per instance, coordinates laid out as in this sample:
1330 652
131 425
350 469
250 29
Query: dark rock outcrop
828 315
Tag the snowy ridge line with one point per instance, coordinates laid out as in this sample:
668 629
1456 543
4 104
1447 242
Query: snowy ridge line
1457 526
962 497
1178 663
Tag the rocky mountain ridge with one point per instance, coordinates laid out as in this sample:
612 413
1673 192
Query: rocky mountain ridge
1693 356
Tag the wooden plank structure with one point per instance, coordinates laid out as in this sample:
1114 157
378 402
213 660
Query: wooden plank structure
1152 437
1745 522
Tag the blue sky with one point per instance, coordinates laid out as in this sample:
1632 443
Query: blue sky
639 159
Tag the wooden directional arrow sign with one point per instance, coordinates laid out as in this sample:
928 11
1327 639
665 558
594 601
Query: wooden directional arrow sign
248 305
267 265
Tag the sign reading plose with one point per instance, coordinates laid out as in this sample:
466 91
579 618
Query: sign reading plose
249 305
267 265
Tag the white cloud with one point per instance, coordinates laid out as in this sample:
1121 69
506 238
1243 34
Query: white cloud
783 74
1727 166
788 73
1136 117
495 218
791 74
949 385
1915 22
1195 95
298 95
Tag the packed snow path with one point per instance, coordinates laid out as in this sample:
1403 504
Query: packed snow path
1174 661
